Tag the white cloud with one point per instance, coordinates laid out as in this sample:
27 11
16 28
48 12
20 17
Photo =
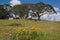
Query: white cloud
51 17
56 9
15 2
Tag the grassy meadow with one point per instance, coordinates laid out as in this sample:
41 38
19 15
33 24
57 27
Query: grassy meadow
29 30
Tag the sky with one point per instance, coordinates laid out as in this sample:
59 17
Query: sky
52 2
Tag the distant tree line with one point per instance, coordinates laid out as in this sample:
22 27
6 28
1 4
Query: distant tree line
23 9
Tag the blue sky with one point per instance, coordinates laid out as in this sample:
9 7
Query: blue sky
54 3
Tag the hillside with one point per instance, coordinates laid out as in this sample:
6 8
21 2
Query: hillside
29 30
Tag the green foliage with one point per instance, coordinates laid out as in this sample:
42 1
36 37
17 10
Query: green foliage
23 9
3 12
28 35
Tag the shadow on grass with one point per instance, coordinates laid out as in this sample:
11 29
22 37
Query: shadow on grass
15 24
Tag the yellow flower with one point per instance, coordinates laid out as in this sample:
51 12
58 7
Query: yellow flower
33 28
21 29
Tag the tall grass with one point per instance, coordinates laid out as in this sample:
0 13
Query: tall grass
29 30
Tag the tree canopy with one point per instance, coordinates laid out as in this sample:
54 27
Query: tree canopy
24 8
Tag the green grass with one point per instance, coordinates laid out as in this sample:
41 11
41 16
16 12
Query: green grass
29 30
